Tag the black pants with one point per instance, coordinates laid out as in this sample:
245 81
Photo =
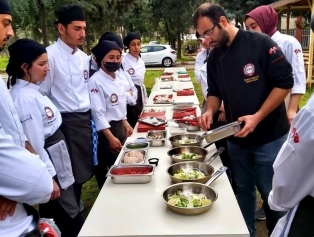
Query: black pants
106 156
303 222
69 227
133 112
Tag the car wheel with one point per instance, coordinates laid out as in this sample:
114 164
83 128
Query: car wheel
167 62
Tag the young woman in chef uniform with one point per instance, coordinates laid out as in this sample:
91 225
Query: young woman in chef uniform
27 68
135 67
108 101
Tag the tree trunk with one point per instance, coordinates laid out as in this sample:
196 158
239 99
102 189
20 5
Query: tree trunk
44 29
179 46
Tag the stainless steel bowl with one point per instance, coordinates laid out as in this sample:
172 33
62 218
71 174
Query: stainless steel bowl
208 170
187 149
157 142
199 139
121 162
131 178
194 188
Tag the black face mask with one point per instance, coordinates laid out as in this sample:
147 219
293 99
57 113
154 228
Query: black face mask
112 66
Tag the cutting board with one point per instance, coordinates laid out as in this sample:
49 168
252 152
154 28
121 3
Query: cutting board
182 114
142 127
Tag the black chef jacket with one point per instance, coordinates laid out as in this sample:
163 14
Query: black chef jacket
243 75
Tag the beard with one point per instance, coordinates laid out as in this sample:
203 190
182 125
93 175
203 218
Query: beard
223 38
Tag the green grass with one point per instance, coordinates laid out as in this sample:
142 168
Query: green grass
186 59
3 63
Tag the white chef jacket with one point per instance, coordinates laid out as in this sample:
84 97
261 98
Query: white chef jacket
108 101
292 49
293 176
199 62
203 80
135 68
24 179
127 82
128 85
66 82
39 116
9 118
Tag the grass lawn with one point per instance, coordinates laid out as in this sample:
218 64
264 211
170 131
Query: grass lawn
90 189
187 58
3 63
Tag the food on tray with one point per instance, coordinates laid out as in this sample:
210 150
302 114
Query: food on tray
186 141
189 200
162 98
154 120
151 120
154 110
132 157
128 171
155 137
190 174
137 146
186 156
192 117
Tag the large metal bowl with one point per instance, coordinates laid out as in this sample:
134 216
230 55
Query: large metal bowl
194 188
199 139
208 170
187 149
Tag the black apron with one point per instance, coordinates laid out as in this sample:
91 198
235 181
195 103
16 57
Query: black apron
303 222
118 130
133 112
31 211
67 197
76 128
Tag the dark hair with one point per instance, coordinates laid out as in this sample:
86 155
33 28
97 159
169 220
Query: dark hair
19 73
212 11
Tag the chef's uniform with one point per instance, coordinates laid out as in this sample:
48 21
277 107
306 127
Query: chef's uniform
66 86
108 104
136 69
199 63
41 121
292 49
293 181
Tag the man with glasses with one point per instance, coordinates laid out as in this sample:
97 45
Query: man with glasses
249 72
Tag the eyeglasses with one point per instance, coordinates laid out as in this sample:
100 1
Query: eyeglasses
207 33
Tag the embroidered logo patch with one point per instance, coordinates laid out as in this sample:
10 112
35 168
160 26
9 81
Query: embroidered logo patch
94 90
85 74
273 50
49 112
295 136
296 51
131 71
249 69
114 98
26 118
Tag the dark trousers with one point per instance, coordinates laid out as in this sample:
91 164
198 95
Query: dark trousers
303 222
69 227
133 112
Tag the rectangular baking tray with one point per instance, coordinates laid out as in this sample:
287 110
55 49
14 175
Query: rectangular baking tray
222 132
154 110
169 96
156 142
131 178
136 146
182 105
147 120
144 152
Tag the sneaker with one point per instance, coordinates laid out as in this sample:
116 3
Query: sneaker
260 214
81 206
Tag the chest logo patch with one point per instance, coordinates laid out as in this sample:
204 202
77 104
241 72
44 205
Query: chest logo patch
49 112
273 50
94 90
85 74
295 136
131 71
249 69
114 98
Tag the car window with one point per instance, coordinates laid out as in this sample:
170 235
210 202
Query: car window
158 48
144 49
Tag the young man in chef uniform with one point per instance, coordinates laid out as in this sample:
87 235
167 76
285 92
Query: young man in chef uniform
66 86
24 177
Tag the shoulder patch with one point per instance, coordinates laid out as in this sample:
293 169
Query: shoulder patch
26 118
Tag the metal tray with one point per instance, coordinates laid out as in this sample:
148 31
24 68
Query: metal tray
136 146
157 142
147 120
222 132
131 178
144 152
182 105
189 128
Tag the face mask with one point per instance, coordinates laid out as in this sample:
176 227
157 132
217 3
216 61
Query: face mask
111 66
